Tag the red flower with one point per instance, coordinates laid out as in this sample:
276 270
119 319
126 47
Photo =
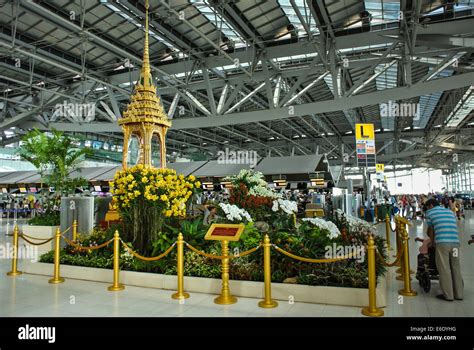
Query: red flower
240 197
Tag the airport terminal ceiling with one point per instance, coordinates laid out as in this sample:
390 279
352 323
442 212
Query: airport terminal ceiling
280 77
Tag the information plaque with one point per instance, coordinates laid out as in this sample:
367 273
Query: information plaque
224 232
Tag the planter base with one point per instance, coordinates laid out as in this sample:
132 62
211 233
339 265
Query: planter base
247 289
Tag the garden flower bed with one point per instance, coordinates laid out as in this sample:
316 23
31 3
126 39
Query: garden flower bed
250 200
308 240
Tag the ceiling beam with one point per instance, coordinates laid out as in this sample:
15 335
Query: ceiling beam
343 103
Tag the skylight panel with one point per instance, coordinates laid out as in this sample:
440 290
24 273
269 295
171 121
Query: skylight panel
215 18
293 17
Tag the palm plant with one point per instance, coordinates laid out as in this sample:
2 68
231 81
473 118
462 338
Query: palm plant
55 156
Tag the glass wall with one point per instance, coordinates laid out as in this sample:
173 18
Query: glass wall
461 178
415 181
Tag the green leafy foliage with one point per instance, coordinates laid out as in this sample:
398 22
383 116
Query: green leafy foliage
161 243
89 260
55 156
200 266
193 230
307 241
47 219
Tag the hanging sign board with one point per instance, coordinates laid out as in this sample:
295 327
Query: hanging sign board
379 168
365 145
224 232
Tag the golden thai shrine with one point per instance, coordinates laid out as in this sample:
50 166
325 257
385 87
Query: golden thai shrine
145 117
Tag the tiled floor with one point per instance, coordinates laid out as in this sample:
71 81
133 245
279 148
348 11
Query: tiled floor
32 296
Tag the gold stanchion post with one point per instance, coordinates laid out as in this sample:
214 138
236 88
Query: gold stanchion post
57 249
14 271
74 230
372 309
267 301
399 245
225 298
401 269
406 291
388 231
180 294
116 286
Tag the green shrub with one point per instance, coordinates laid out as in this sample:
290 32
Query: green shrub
306 241
49 219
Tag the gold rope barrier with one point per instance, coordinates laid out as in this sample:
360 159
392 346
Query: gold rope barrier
46 240
62 233
207 255
31 237
23 235
247 252
395 263
77 246
221 257
309 260
144 258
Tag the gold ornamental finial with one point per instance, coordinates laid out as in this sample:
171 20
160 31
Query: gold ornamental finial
146 72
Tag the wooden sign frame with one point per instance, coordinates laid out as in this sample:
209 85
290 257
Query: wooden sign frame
225 232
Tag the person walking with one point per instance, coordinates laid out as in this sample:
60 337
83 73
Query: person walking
412 204
442 230
404 206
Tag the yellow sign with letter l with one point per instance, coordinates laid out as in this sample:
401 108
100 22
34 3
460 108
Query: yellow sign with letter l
379 168
365 132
